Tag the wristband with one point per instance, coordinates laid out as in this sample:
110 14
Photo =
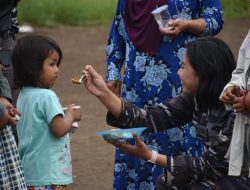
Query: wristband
153 157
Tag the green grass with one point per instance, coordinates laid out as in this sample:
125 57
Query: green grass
70 12
93 12
236 8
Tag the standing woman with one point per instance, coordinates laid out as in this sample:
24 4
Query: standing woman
151 61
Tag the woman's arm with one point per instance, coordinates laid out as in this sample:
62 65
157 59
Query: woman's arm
197 27
175 112
181 168
140 150
116 51
209 23
96 85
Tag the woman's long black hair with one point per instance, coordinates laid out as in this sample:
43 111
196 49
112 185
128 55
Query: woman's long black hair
213 62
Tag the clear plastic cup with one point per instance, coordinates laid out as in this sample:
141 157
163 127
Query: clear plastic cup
162 16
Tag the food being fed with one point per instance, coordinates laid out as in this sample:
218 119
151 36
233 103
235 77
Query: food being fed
76 81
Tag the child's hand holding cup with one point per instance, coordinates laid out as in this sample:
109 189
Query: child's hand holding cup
77 114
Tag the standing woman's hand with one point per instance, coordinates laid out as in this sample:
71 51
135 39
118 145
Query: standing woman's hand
178 26
7 119
174 28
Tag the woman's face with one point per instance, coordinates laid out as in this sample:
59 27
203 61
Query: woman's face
189 78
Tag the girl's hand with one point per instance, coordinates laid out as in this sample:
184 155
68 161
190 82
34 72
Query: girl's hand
176 28
62 125
140 149
94 82
75 112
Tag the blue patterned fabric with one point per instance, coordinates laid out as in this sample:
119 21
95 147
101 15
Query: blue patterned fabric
148 80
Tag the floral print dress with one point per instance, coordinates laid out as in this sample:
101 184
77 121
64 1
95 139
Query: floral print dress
149 80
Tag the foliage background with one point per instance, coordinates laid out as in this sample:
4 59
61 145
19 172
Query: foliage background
94 12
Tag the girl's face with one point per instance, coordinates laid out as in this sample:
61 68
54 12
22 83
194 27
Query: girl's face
49 72
189 79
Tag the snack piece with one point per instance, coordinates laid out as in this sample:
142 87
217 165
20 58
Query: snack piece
76 81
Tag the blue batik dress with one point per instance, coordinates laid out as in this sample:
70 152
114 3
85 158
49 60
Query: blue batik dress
148 80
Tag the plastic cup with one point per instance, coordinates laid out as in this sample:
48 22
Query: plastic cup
75 123
162 16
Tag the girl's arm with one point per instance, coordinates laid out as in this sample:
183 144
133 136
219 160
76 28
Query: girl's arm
62 125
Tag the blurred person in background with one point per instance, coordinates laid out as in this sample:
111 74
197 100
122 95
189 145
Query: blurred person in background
8 30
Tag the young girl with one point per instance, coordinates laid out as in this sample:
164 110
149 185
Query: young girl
44 144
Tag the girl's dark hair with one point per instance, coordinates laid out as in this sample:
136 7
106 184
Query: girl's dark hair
213 62
28 57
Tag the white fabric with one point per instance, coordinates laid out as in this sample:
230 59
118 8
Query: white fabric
240 77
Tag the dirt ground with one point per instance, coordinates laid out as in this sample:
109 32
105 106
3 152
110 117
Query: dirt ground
93 157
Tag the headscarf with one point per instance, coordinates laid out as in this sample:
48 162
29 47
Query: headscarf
142 29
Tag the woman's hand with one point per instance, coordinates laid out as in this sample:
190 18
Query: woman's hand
230 95
97 86
7 119
178 26
174 28
93 81
11 110
238 105
242 104
7 104
140 149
